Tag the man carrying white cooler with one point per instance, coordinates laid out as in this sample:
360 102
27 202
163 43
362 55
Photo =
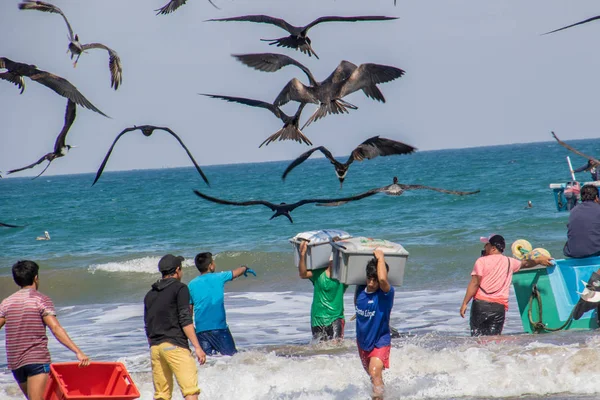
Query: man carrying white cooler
327 310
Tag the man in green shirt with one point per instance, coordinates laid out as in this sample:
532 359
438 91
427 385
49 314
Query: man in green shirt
327 310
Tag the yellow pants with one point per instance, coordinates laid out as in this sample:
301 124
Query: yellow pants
167 360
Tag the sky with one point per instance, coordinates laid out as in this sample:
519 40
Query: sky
478 73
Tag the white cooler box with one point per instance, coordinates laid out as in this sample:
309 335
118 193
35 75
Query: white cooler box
319 248
350 258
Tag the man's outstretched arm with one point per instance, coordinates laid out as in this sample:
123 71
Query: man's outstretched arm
239 271
586 166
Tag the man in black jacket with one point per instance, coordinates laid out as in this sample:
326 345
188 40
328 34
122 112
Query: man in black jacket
168 323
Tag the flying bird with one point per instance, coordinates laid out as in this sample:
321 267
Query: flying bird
15 79
174 5
60 147
347 78
368 149
75 46
289 131
396 189
17 70
592 161
10 226
283 208
147 130
575 24
298 38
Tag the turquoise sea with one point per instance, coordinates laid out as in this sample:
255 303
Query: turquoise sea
106 241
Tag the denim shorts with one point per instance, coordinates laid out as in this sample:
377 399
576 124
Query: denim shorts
21 374
217 341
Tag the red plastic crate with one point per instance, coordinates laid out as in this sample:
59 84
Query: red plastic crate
98 381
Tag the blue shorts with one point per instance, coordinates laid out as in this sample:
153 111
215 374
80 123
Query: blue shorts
217 341
21 374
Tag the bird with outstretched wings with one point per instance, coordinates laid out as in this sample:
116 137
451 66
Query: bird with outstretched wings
298 38
397 189
173 5
585 21
10 225
75 46
290 129
17 70
344 80
60 147
369 149
593 162
283 208
147 130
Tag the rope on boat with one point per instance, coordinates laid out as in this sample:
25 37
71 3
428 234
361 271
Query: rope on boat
539 326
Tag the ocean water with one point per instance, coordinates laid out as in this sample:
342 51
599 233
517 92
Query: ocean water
107 240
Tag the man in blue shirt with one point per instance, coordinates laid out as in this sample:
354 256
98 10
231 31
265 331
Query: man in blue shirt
583 235
374 304
583 240
207 293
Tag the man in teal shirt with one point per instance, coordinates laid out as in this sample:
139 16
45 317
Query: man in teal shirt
207 295
327 310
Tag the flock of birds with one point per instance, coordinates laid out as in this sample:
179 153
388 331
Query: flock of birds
327 94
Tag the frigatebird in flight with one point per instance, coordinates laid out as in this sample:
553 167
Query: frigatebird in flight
17 70
60 147
585 21
283 208
10 226
396 189
347 78
75 47
147 130
592 162
173 5
368 149
298 38
290 129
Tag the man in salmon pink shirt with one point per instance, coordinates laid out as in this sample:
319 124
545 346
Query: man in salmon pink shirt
490 284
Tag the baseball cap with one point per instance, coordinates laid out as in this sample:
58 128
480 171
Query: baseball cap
495 240
169 262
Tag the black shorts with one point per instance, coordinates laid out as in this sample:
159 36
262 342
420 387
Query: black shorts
329 332
21 374
486 318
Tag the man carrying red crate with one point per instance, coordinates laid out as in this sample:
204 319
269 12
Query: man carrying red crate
26 314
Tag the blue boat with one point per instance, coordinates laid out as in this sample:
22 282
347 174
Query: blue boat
547 296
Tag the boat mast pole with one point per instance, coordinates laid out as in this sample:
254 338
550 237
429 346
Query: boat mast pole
571 169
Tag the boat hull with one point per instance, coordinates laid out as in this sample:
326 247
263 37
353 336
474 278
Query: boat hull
558 289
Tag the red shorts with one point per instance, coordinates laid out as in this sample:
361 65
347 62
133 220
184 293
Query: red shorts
383 353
